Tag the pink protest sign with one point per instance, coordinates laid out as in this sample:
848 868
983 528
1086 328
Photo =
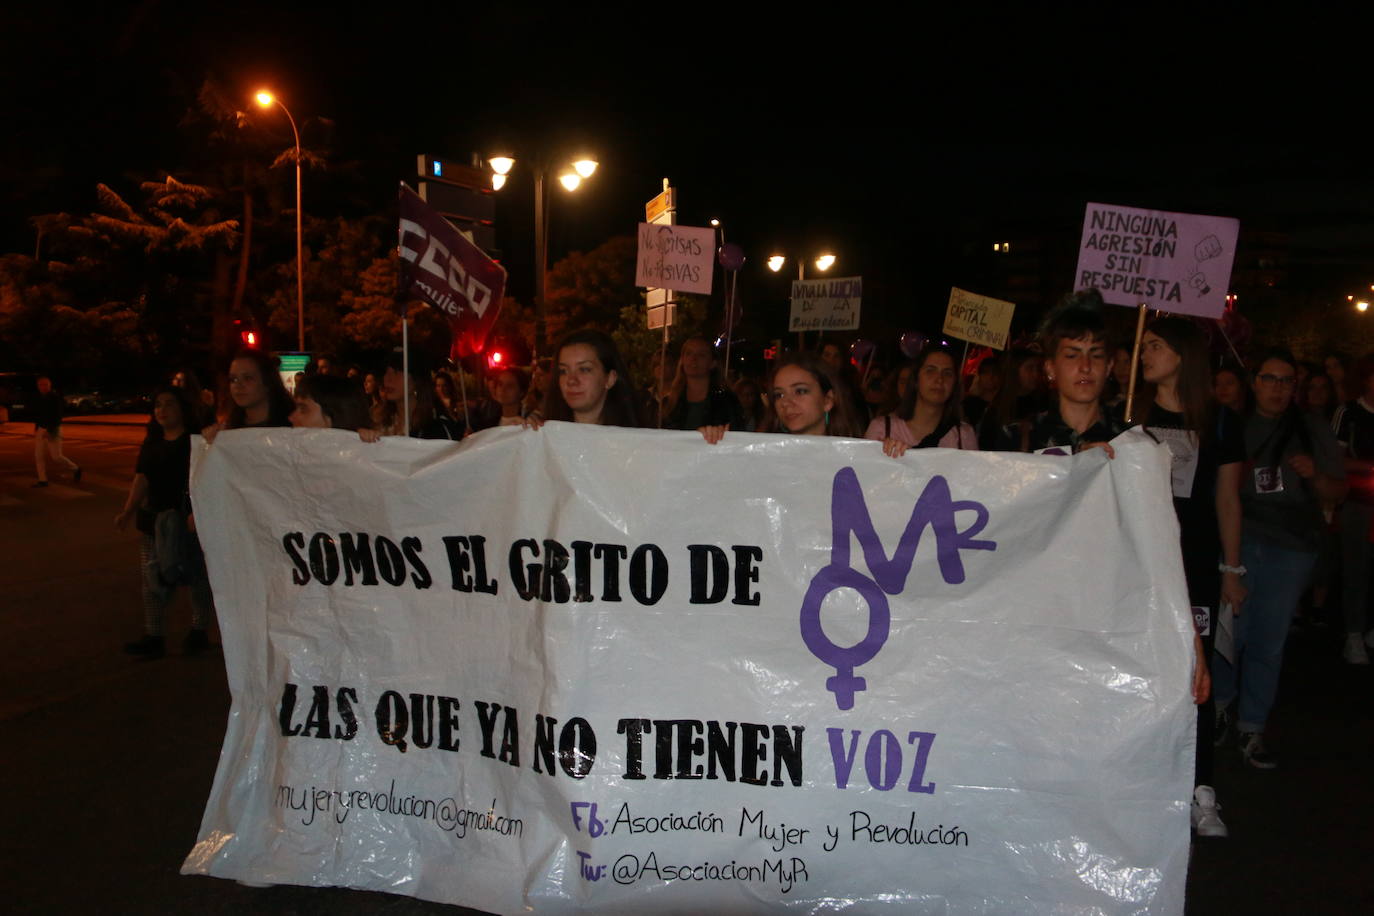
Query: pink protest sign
1174 262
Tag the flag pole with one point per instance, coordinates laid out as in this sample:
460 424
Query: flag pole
730 322
1135 361
405 367
463 387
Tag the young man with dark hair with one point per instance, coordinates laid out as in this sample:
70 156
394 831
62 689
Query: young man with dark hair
1078 363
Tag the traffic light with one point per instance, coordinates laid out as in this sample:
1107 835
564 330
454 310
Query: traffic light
496 359
248 335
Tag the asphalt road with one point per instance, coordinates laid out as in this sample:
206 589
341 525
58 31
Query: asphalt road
107 760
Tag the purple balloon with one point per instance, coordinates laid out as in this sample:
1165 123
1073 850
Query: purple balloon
860 351
911 343
730 256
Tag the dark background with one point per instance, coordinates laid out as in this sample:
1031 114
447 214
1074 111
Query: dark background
905 141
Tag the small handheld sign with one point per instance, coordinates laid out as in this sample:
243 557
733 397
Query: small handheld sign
978 319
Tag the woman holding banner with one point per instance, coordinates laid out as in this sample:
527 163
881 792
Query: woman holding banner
808 399
592 384
257 393
929 415
1208 447
398 388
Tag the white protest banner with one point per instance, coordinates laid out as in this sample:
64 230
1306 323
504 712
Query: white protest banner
978 319
679 258
1175 262
826 305
622 671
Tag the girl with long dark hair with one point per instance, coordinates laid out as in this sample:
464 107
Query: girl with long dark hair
1208 449
752 405
592 383
398 389
1022 396
257 395
697 395
809 399
161 487
930 414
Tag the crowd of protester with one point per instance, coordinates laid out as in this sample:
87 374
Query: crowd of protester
1273 461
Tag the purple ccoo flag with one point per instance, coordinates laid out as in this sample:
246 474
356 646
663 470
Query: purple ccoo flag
446 269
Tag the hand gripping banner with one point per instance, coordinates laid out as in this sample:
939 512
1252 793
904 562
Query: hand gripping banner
594 669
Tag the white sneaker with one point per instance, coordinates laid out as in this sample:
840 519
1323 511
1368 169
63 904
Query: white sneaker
1354 652
1207 813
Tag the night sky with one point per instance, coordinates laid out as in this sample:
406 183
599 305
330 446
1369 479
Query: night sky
898 143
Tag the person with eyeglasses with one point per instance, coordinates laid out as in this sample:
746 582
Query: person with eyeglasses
1293 465
1207 447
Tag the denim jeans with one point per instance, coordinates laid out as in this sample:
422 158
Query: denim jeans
1275 579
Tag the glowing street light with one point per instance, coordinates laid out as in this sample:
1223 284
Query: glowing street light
571 177
266 99
823 262
1362 306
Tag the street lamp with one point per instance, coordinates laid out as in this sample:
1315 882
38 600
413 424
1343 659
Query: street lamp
822 263
266 99
570 175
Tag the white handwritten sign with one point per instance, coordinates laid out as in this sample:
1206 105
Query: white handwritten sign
831 304
978 319
1176 262
676 257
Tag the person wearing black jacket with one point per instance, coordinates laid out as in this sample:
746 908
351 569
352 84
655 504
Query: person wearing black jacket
698 397
47 433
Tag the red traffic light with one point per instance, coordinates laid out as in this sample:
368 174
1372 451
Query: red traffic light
496 359
249 338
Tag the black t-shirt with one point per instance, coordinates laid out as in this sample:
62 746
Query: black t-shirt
1199 530
167 465
1047 430
721 408
974 408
